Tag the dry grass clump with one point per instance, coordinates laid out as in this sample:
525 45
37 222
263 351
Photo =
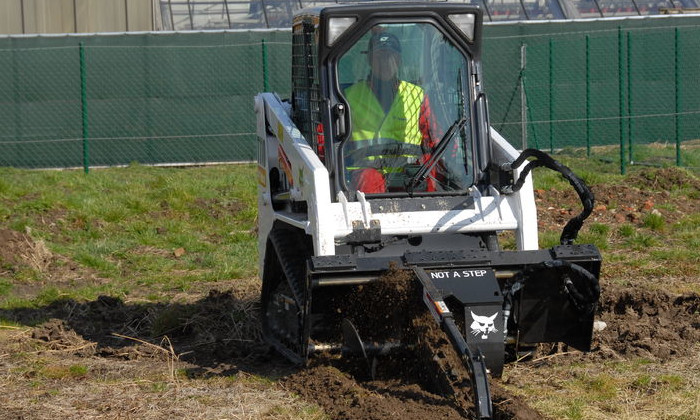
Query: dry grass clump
37 256
624 389
149 396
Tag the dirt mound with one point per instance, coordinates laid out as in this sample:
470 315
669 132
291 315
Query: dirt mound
407 381
20 252
219 327
383 310
651 324
639 324
10 240
19 248
57 336
344 397
665 179
382 386
614 205
634 324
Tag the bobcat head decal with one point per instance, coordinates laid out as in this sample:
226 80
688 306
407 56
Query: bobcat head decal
483 325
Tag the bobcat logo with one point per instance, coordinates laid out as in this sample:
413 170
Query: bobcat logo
483 325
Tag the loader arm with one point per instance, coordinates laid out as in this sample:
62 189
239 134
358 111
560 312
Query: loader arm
286 153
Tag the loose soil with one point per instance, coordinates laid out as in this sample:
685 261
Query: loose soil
216 334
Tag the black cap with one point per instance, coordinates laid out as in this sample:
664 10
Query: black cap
384 41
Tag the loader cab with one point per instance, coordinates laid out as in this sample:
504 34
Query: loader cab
390 97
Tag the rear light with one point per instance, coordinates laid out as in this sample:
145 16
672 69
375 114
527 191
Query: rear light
320 142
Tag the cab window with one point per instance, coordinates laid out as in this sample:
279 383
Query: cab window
407 89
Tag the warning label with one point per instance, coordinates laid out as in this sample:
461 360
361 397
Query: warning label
457 274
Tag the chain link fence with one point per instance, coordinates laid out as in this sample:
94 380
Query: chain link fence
609 89
625 91
148 98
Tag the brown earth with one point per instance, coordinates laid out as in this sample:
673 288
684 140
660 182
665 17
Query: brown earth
217 334
648 192
403 383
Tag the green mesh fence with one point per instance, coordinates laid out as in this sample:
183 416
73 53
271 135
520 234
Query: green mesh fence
608 88
148 98
612 88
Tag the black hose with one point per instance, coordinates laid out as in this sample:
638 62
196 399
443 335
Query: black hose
585 292
570 231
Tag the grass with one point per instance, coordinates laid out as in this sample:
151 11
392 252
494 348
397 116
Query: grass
654 222
653 154
41 387
148 234
126 223
63 372
631 389
5 286
626 230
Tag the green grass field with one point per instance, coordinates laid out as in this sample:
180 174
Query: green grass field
155 236
154 229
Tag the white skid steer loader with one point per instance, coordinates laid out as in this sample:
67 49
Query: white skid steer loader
383 158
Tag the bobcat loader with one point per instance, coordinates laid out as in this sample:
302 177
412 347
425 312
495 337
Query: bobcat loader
441 196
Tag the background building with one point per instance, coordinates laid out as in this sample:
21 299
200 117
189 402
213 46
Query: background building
88 16
78 16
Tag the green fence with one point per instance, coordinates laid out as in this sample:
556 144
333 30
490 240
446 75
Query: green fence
149 98
607 87
614 88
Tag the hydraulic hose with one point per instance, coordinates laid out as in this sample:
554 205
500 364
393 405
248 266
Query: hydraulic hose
581 285
570 231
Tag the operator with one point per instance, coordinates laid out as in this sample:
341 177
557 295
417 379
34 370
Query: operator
389 112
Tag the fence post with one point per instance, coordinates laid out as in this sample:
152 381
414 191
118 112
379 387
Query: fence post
148 84
630 123
18 150
551 95
621 91
677 82
84 107
266 84
523 97
588 96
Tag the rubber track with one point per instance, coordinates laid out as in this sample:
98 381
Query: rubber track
291 248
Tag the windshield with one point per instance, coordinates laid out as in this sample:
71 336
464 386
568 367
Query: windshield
407 89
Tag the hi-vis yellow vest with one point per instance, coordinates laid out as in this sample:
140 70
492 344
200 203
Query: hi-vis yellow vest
370 123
